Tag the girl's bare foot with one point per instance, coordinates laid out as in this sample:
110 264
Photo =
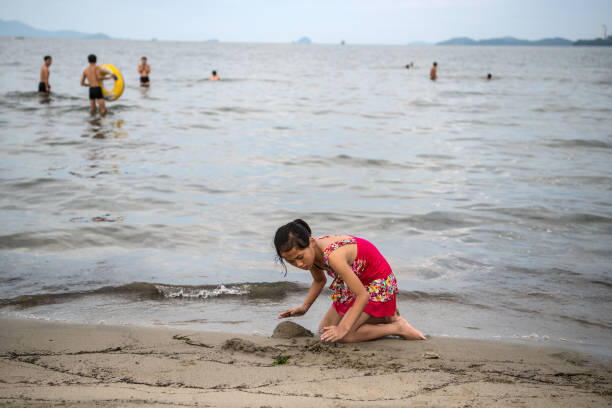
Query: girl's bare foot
407 332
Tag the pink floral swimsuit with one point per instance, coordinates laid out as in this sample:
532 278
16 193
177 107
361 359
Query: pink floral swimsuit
374 273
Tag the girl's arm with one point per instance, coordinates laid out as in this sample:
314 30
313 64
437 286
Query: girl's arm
318 282
338 262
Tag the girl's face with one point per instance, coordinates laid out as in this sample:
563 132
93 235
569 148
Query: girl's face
301 258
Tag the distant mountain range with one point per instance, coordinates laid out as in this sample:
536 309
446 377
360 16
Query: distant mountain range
597 42
549 42
19 29
506 41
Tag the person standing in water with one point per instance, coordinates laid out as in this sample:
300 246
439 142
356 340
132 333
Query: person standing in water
144 69
214 76
93 75
433 74
43 85
363 288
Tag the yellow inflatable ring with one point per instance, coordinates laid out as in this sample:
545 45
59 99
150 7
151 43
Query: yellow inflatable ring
115 93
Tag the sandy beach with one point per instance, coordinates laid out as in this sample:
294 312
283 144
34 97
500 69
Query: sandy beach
54 364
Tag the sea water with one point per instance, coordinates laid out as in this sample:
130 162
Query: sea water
491 200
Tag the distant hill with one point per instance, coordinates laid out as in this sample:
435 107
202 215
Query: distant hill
458 41
304 40
557 41
596 42
19 29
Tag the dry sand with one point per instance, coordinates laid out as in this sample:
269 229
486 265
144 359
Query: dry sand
51 364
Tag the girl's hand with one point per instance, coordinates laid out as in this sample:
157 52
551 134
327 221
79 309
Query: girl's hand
294 311
333 333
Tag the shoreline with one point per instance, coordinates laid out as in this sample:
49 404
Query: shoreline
65 364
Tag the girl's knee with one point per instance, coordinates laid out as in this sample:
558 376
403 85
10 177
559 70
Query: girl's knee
348 338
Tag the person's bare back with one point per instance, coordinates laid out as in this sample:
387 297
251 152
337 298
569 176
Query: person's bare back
93 74
92 77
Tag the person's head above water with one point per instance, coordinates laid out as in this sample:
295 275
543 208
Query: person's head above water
292 242
489 76
143 59
214 73
92 59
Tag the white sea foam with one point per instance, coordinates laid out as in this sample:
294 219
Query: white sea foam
182 292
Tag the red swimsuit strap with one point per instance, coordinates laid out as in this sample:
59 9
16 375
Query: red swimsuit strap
335 245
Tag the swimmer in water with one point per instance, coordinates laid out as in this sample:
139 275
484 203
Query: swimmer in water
433 74
489 77
43 85
214 76
144 69
93 75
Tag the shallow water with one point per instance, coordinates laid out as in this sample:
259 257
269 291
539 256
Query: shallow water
492 201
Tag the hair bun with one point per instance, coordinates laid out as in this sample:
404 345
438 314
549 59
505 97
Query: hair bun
303 224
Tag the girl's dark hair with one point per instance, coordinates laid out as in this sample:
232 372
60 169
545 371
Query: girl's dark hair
295 234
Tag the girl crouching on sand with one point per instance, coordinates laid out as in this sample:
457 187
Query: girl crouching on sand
364 287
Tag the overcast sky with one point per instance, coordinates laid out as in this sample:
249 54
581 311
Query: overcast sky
324 21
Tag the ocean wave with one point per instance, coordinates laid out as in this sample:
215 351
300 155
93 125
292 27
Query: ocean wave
258 290
432 221
26 184
238 109
346 160
573 143
587 322
13 95
141 291
21 95
542 214
420 296
87 236
251 291
563 180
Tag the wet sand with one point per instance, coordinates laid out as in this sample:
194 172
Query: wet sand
51 364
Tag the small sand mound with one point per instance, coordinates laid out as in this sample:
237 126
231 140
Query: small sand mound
246 346
319 347
289 330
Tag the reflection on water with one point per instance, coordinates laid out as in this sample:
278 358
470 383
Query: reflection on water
101 127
